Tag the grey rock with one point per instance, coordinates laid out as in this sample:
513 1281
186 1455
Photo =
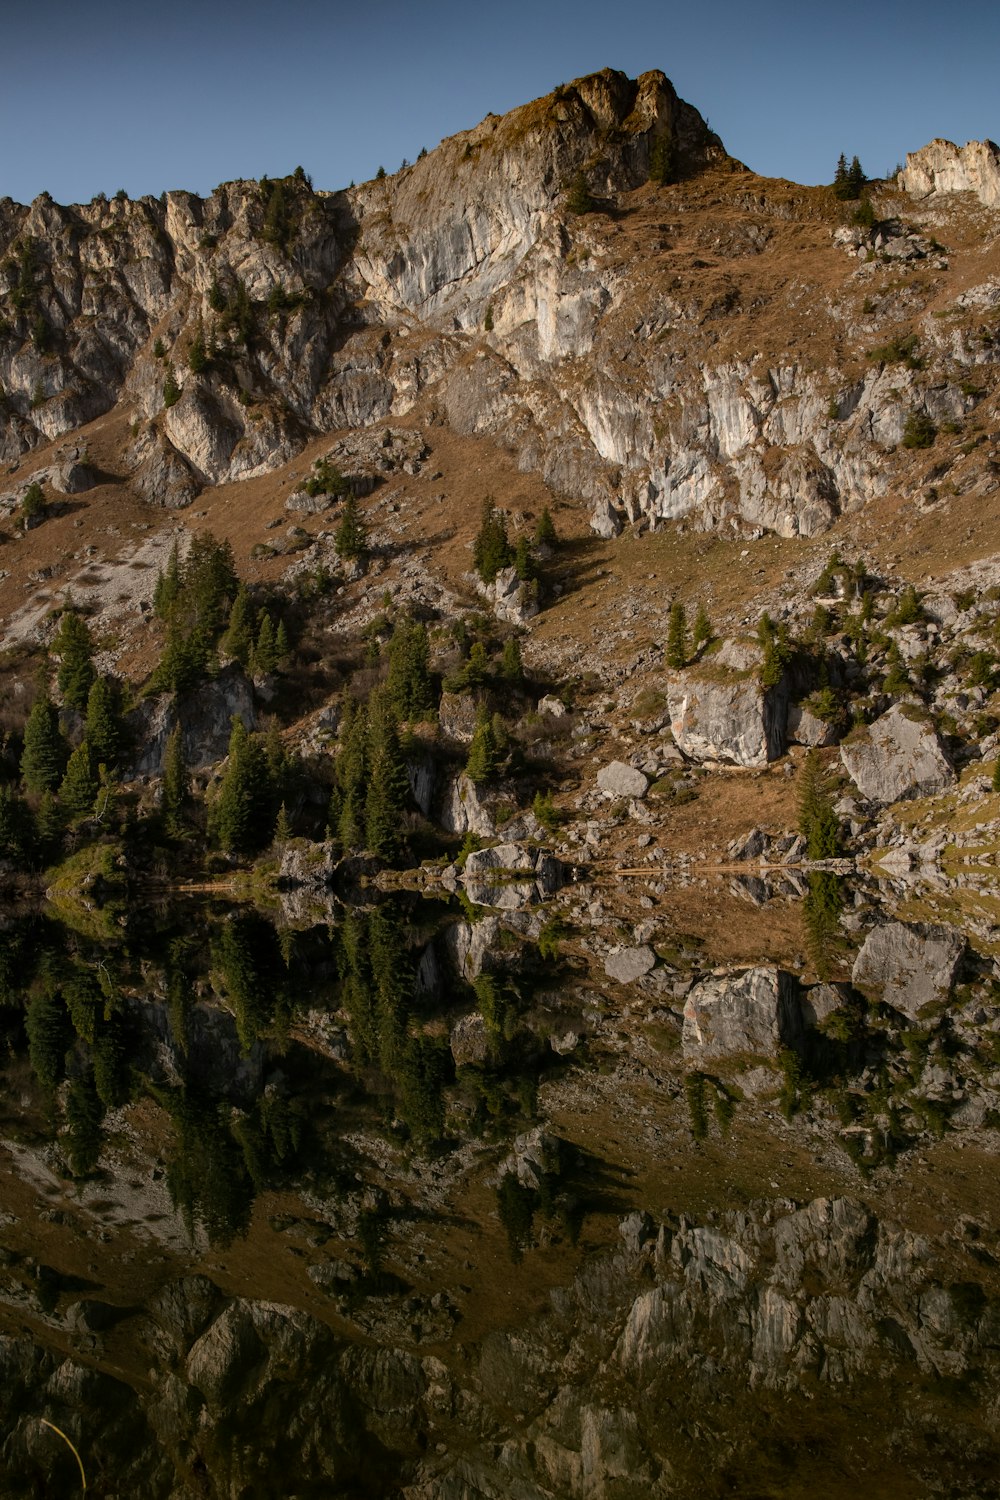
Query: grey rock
605 521
911 965
625 965
806 728
755 1012
899 756
470 1041
619 780
463 810
726 717
510 876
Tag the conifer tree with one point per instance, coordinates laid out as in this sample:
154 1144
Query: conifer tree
74 647
281 646
525 565
16 831
388 785
817 820
168 586
408 682
896 679
78 789
511 665
702 632
350 537
351 777
677 637
282 827
105 730
265 655
175 783
238 639
49 825
491 550
545 531
45 749
995 784
485 757
578 196
243 813
198 354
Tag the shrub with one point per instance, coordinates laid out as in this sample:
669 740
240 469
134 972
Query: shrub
919 431
578 196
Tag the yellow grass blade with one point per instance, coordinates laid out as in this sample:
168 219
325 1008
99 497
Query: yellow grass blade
71 1446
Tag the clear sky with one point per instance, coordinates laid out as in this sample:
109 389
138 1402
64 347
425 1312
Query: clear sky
102 94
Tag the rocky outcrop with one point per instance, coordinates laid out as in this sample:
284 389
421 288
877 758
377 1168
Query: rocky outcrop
719 715
509 876
206 719
754 1014
943 167
910 966
898 756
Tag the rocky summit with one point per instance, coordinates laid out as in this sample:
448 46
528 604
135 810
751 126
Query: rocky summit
499 814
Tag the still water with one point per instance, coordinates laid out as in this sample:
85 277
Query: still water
411 1198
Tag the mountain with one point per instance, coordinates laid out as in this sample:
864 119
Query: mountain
546 600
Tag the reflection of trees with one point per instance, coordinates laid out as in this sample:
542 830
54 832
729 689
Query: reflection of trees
821 908
208 1179
248 957
387 1017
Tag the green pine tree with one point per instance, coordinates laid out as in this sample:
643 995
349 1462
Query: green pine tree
105 728
198 354
511 665
579 199
74 647
408 683
702 632
351 774
350 537
388 784
244 813
677 637
282 827
238 640
995 784
78 789
50 824
45 750
491 549
896 678
545 531
168 586
17 834
265 654
817 820
485 756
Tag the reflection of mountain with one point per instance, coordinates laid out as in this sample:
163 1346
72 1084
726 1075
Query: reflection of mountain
288 1200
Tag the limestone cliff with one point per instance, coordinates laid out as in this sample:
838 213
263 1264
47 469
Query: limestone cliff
719 348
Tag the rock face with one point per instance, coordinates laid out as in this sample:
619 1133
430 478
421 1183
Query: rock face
723 716
913 966
206 718
466 275
898 756
756 1013
943 167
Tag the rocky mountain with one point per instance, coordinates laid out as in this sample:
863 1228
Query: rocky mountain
617 1100
721 348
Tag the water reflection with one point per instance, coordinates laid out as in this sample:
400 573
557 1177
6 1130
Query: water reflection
273 1191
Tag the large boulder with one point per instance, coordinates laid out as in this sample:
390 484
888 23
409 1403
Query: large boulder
754 1014
619 780
912 966
807 728
509 876
626 965
898 756
719 714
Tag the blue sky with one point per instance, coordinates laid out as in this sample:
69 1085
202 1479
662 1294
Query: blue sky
102 94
